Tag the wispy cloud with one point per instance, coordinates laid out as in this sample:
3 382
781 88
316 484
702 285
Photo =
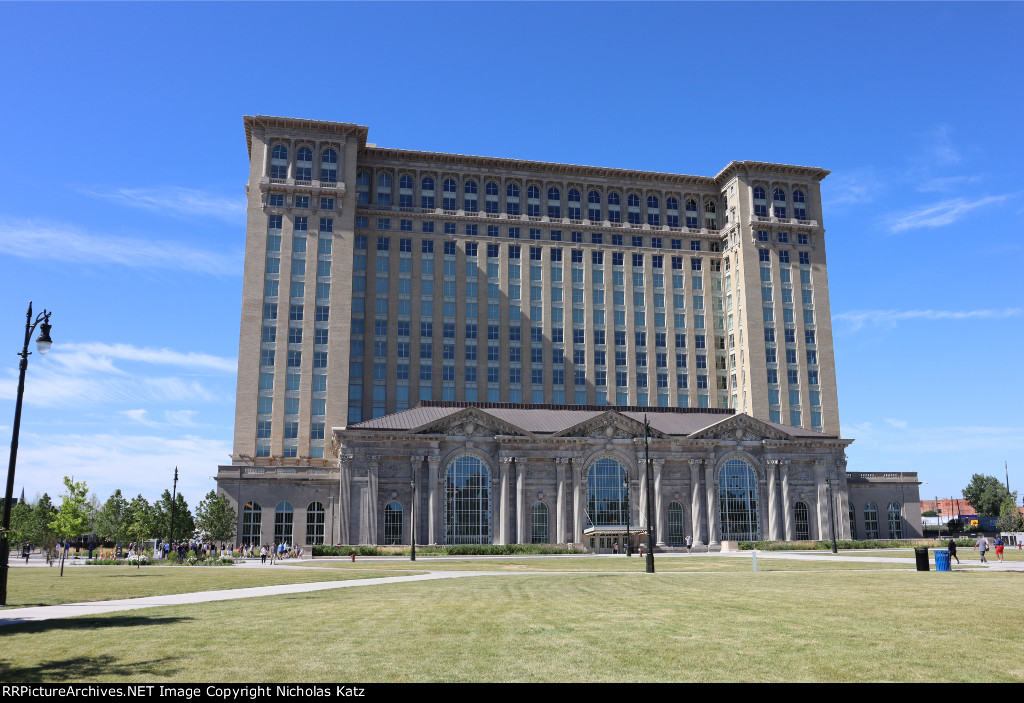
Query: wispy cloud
32 240
942 213
861 318
940 147
172 418
98 351
850 188
176 201
947 183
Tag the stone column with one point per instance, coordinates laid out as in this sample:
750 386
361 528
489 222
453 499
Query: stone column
522 511
774 524
841 493
696 523
344 497
369 521
561 470
579 497
820 471
435 497
787 499
503 501
659 503
641 501
709 485
415 464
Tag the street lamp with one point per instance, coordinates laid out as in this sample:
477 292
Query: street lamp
629 542
43 344
647 469
412 517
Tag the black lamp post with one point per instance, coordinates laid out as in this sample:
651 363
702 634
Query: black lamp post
647 469
174 492
629 542
412 517
43 345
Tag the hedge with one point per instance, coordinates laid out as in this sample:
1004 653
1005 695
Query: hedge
447 550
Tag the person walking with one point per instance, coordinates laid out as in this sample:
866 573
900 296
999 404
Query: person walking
615 547
689 543
952 550
263 554
999 548
982 546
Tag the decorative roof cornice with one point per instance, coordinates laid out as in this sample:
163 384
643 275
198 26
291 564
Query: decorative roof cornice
298 127
764 169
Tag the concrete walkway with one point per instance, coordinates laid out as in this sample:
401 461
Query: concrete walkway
35 614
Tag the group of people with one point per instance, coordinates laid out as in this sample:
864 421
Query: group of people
275 552
199 548
981 546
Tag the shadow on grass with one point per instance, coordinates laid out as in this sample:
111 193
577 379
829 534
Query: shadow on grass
91 624
79 668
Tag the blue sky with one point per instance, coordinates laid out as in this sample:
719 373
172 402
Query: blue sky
123 207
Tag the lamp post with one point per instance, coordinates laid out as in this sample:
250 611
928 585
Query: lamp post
629 542
174 492
831 514
412 517
43 343
647 469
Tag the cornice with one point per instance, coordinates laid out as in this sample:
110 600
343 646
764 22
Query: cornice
310 129
765 169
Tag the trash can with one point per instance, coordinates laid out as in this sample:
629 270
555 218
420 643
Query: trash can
942 560
921 555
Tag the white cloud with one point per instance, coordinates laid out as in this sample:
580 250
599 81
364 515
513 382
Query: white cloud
31 240
946 183
850 188
860 318
898 424
168 357
940 147
942 213
180 202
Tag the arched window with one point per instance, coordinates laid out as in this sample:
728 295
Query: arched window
533 201
653 211
633 208
405 186
691 214
799 205
427 193
573 197
594 206
405 182
895 521
491 202
284 515
870 520
675 524
512 199
363 188
760 202
614 208
554 204
279 161
803 525
606 493
315 523
449 194
329 166
853 521
470 199
393 523
779 202
539 523
384 189
252 515
304 164
672 212
737 493
710 218
467 508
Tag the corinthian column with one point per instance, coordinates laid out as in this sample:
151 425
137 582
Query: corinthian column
415 464
561 470
786 500
579 496
696 523
434 507
522 512
503 500
659 502
344 497
824 530
369 522
774 525
709 485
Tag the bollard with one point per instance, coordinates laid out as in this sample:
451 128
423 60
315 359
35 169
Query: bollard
755 560
353 556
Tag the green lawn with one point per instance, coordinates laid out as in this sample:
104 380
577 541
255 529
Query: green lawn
883 625
30 586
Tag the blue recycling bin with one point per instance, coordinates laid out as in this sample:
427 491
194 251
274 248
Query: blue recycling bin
942 560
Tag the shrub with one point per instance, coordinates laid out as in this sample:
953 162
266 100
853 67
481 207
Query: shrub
448 550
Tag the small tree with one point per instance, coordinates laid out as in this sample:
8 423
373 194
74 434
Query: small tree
21 523
216 519
111 518
1009 515
139 511
39 531
985 494
184 523
73 516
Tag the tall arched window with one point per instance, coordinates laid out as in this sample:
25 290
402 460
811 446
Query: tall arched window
799 205
594 206
363 188
737 492
853 521
672 212
653 211
573 197
803 525
870 520
449 194
760 202
614 208
470 199
304 164
315 523
491 195
284 515
779 202
279 161
467 509
533 201
427 193
512 199
329 166
384 189
393 523
554 204
633 208
675 524
710 218
252 515
405 185
691 214
895 521
539 523
606 493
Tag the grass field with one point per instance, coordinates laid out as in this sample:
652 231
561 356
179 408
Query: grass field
700 626
30 586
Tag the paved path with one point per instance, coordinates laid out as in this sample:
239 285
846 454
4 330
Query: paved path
68 610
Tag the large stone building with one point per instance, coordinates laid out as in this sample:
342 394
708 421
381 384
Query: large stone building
394 298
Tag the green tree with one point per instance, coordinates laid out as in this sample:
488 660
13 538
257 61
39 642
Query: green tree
138 518
39 531
21 524
215 518
985 494
111 518
74 516
1009 515
184 523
